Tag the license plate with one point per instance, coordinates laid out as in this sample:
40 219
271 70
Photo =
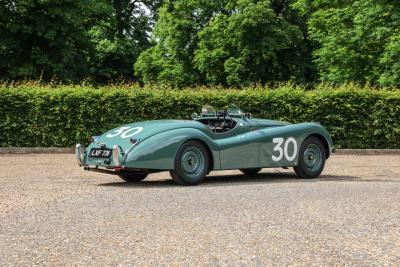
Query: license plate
100 153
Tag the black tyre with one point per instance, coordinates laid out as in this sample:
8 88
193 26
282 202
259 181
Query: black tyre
133 177
312 158
253 171
191 164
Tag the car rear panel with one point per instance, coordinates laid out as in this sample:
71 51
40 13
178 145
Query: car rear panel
127 136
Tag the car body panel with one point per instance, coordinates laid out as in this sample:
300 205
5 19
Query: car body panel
299 132
252 143
159 151
270 123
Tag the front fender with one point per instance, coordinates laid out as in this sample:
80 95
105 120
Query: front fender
317 129
158 151
271 153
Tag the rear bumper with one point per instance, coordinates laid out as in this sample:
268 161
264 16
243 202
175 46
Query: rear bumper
111 163
79 154
115 165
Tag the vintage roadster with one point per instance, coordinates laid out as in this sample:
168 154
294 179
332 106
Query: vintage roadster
214 140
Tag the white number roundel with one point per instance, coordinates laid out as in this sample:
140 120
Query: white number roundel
125 132
285 150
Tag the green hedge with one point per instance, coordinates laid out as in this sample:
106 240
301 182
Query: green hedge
32 115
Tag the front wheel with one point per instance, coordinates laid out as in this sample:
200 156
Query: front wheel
191 164
133 177
311 158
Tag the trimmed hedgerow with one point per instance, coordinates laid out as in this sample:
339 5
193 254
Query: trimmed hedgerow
62 116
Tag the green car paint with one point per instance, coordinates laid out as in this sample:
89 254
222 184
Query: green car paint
252 143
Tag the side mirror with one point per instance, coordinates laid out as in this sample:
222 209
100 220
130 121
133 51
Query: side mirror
248 115
194 116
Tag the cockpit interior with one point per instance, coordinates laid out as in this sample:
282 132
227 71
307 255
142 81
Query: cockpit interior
220 121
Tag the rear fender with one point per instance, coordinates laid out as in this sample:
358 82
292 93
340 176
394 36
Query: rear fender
158 151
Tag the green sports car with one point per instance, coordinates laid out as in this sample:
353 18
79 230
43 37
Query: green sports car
214 140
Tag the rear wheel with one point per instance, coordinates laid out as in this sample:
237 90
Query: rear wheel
250 171
191 164
133 177
312 158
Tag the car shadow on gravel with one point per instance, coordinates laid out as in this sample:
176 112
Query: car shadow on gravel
237 179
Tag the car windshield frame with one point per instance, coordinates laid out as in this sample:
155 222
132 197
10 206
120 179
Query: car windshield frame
237 112
208 111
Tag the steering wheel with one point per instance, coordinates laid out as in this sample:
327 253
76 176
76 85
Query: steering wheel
221 113
224 113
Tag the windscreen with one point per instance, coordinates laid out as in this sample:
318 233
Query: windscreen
208 111
234 111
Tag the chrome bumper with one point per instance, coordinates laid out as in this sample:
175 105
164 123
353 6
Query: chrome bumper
79 150
115 155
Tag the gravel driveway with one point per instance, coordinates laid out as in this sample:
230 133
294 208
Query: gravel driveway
54 213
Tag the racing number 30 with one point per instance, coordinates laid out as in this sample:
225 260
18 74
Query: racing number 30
125 132
284 151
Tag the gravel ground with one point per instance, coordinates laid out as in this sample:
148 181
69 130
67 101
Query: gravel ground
54 213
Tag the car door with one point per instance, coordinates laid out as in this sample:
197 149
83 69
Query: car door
239 148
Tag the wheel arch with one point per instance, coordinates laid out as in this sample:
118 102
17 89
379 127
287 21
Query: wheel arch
324 142
158 152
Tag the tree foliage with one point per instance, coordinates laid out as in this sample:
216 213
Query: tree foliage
358 40
249 44
229 42
46 38
120 39
73 40
187 42
170 59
